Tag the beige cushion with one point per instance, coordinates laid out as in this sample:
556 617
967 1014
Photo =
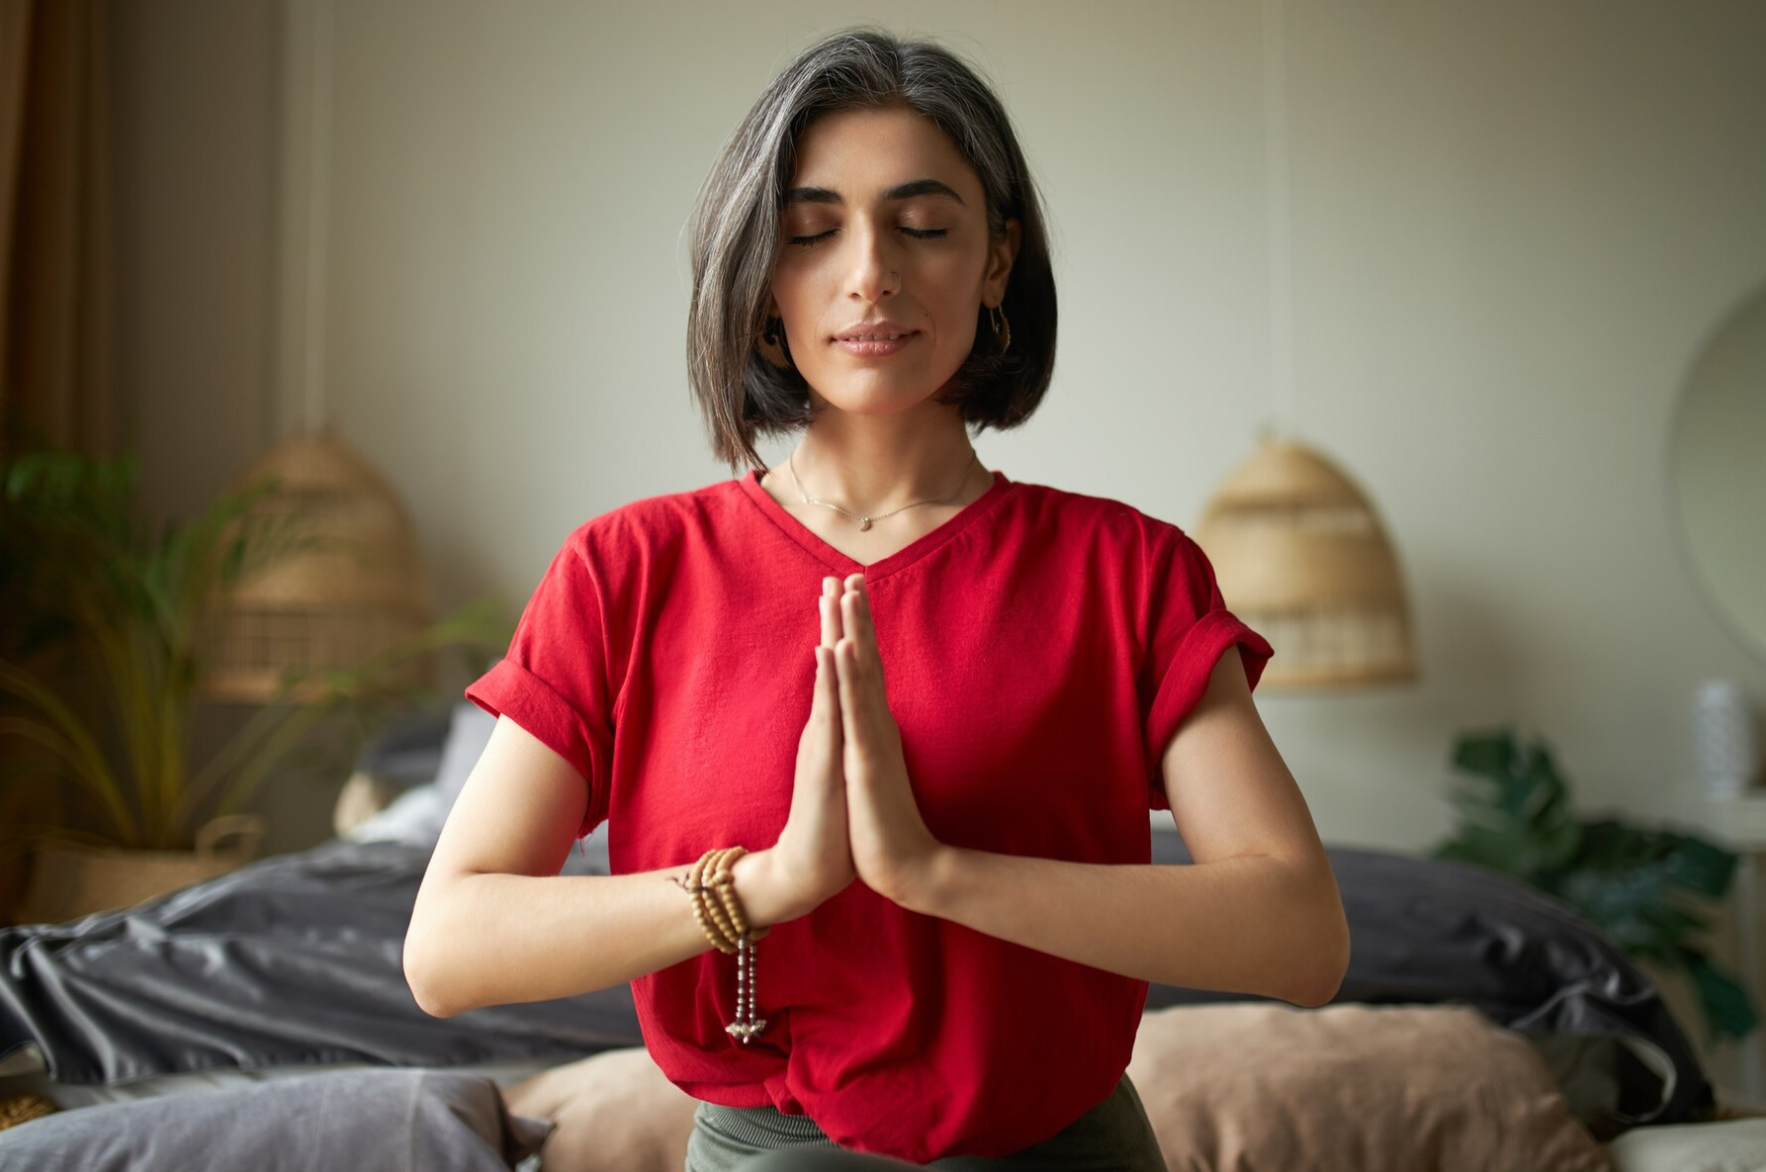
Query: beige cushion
1229 1088
1734 1146
615 1112
1264 1087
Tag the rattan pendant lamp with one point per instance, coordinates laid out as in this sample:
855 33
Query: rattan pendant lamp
361 587
1298 548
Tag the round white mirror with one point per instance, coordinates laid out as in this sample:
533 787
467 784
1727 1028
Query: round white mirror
1717 471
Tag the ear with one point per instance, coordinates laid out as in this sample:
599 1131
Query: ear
1000 255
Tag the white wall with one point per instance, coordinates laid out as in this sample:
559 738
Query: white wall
1513 224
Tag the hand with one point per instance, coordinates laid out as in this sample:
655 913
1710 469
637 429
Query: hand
892 850
813 860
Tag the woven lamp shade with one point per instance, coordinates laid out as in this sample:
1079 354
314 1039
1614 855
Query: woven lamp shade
359 590
1300 555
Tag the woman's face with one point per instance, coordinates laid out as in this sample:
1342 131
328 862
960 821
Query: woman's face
884 259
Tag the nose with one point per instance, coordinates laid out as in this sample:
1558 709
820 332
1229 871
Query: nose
872 272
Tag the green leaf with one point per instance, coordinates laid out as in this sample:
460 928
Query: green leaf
1561 844
1515 816
1700 866
1488 754
1496 849
1729 1010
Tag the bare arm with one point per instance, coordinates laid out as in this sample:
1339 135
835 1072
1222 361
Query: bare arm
1259 912
495 923
1236 924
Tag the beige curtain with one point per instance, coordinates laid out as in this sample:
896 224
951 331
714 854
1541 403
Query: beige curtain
57 377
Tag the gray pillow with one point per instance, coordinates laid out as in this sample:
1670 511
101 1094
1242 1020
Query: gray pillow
468 733
416 816
438 1121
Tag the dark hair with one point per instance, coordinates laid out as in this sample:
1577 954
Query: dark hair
735 238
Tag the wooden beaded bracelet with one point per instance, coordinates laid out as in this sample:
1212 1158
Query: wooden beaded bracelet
711 882
718 895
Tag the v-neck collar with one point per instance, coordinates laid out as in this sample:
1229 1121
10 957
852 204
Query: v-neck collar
912 552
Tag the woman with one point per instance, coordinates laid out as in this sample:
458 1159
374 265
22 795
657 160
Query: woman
937 945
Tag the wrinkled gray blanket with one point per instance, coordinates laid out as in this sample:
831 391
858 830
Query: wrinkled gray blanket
289 961
295 960
1424 931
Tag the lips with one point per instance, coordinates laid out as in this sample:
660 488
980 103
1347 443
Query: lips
873 331
875 345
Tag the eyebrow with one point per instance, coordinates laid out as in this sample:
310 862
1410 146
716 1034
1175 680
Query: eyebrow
901 191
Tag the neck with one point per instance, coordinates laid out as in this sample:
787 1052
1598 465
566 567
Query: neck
872 464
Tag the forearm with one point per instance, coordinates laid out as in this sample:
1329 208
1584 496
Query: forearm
1250 924
497 939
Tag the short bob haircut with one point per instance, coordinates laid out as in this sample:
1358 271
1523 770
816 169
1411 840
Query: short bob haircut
735 239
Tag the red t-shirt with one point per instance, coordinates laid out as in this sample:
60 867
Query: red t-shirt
1039 650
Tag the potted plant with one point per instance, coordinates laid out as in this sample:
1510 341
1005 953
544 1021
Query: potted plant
101 665
1631 881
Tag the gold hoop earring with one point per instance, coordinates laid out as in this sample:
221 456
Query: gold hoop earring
772 345
1002 329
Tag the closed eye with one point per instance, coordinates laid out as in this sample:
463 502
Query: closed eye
916 233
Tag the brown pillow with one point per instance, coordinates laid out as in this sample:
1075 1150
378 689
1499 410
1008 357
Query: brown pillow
615 1112
1261 1087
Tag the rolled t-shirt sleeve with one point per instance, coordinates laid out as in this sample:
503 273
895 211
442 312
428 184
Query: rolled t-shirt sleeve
554 682
1191 628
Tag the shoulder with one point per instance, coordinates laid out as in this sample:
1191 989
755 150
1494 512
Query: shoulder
1113 546
1099 523
656 526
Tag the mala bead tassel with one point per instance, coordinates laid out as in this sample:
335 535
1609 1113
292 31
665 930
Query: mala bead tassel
711 882
746 1025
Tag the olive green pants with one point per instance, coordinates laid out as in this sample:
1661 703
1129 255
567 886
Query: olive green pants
1114 1136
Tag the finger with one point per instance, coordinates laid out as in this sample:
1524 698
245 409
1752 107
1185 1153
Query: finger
829 607
831 625
861 693
826 701
850 689
855 610
825 709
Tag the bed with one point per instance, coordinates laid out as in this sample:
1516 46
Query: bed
261 1019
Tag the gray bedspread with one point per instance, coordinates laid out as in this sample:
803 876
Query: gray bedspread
295 960
1425 931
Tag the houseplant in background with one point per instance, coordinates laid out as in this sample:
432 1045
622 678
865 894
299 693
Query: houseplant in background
102 662
1635 883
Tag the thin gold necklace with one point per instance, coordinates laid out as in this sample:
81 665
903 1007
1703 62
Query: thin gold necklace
864 522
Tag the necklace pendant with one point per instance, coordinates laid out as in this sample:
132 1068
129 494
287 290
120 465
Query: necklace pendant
864 523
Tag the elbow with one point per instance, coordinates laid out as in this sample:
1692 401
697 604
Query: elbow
426 990
1322 980
437 964
426 974
1318 991
1324 936
428 1001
